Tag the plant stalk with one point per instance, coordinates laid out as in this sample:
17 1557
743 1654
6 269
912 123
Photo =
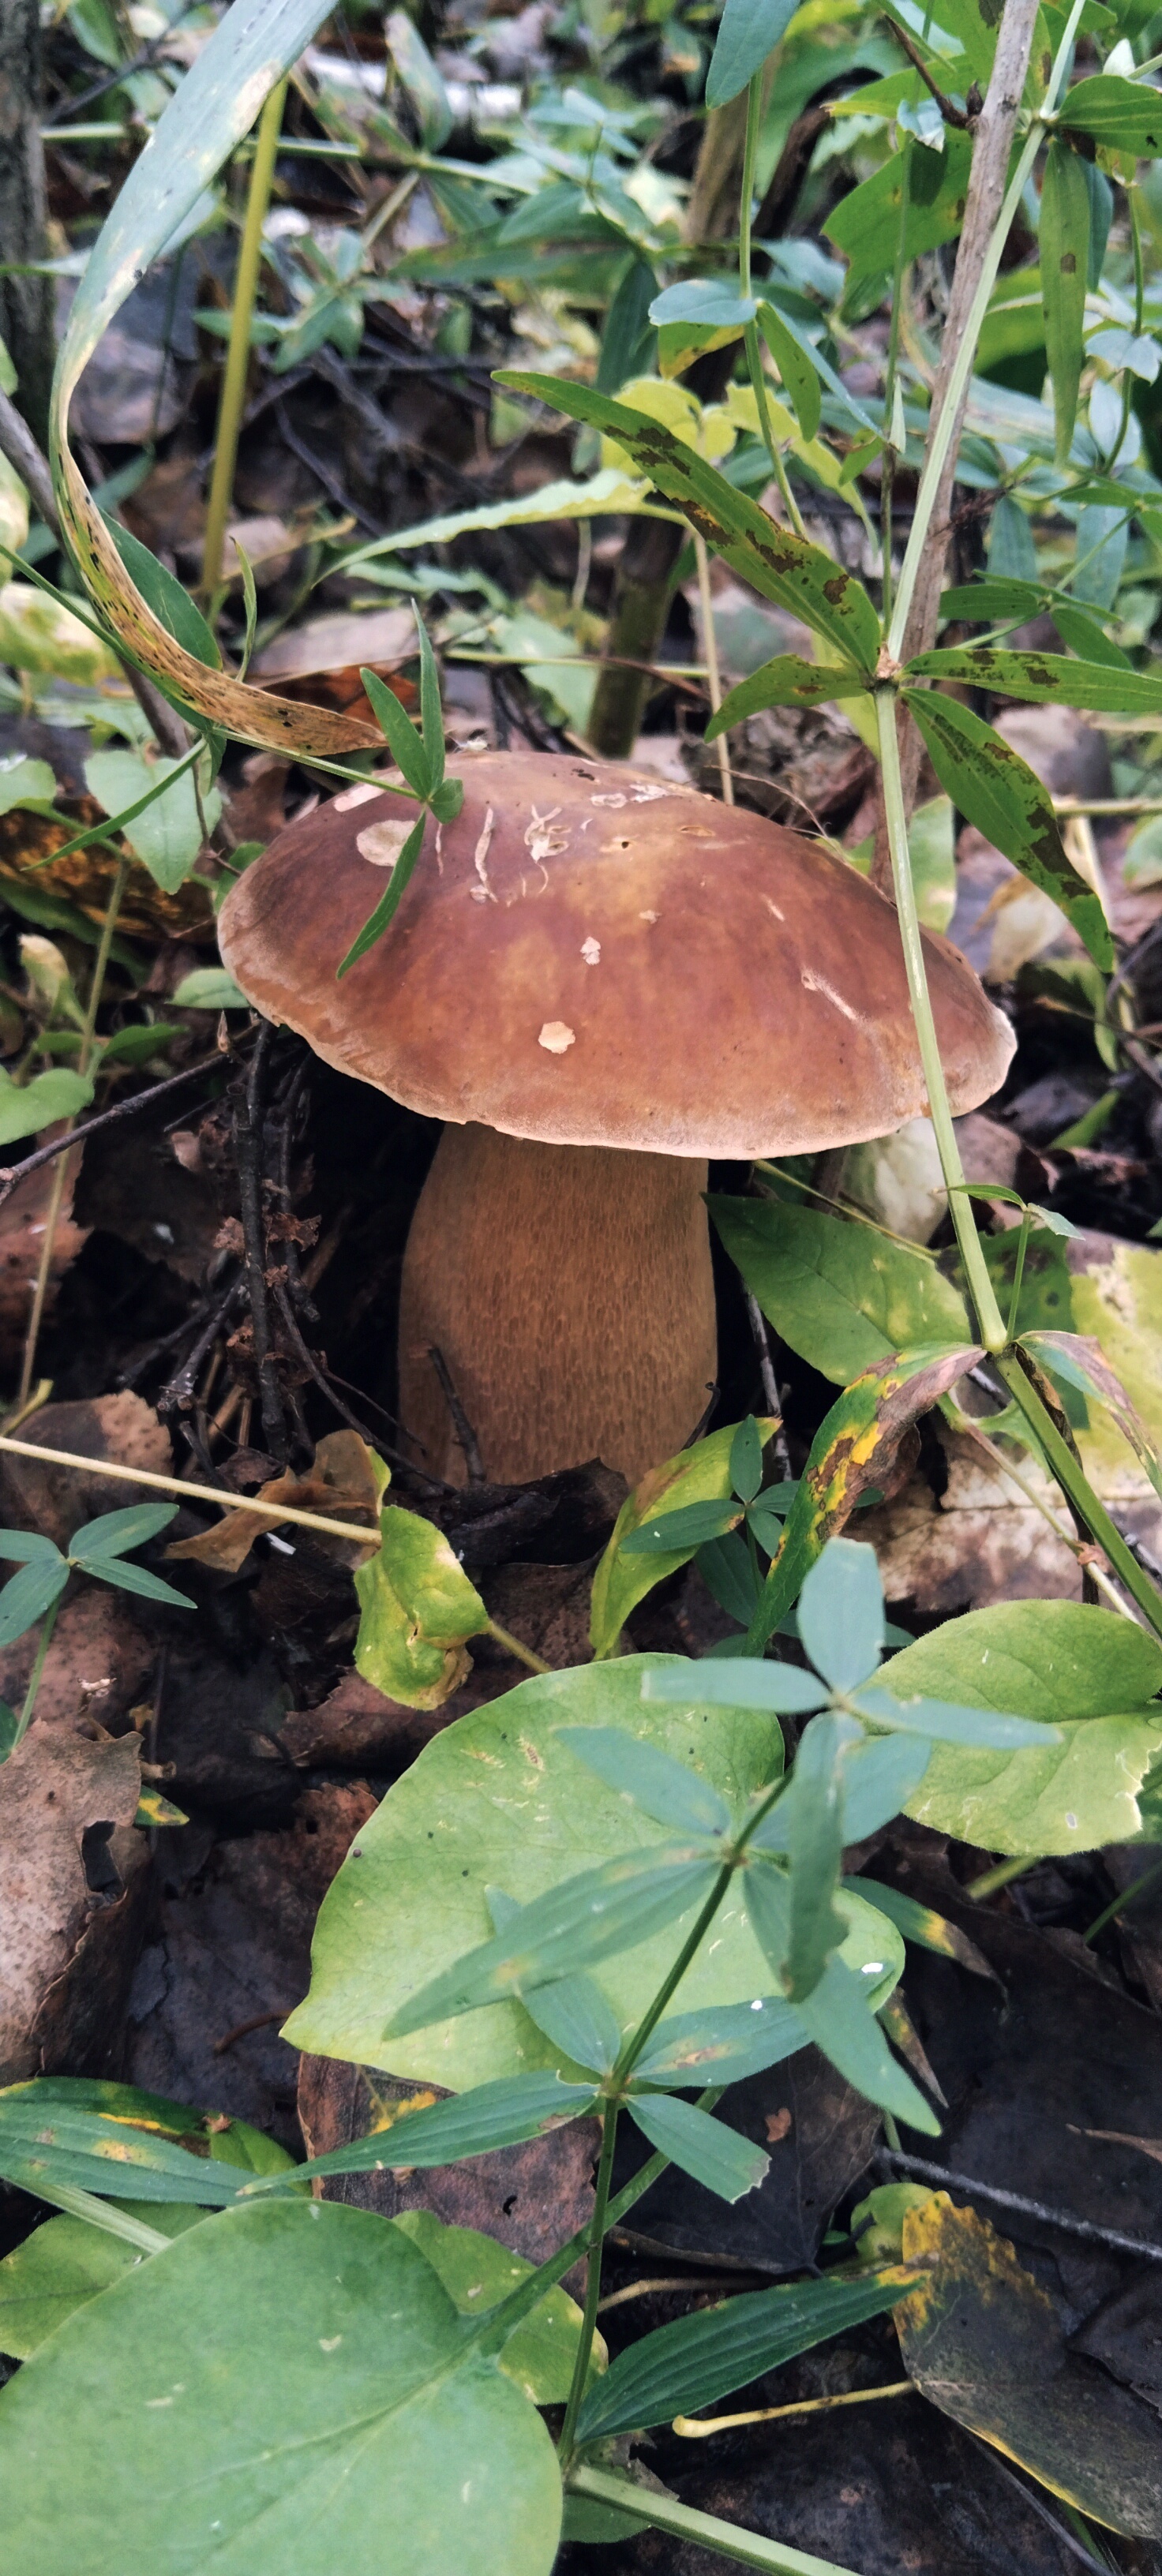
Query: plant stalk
513 1646
597 2231
705 2530
44 1641
238 352
710 650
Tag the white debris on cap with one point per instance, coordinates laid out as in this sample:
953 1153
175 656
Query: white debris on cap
556 1038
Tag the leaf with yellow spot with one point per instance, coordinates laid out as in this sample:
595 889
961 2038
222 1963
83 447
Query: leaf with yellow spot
417 1608
697 1475
984 2343
854 1448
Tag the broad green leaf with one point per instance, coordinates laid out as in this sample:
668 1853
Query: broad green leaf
690 1527
27 1595
721 2046
995 789
838 2017
748 31
776 563
1083 634
209 988
627 341
853 1448
65 2263
841 1614
236 2144
799 374
943 1723
300 2377
841 1295
703 2357
389 903
1046 678
1125 115
493 1801
711 300
717 2157
1093 1675
477 2274
697 1475
589 1917
100 2154
788 681
665 1789
813 1807
878 1780
865 225
113 1532
26 1107
1064 273
417 1606
168 835
431 709
24 781
738 1682
471 2124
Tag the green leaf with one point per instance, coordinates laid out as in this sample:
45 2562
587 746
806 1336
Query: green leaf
586 1918
65 2263
421 78
841 1614
779 565
478 2274
627 342
27 1107
710 301
723 2045
995 789
746 1460
40 2142
170 603
1092 1674
603 492
477 2123
302 2378
837 2017
717 2157
167 835
417 1606
853 1449
740 1682
1046 678
1085 637
209 988
24 1547
431 709
132 1578
1064 275
943 1723
236 2144
663 1788
446 800
697 1475
866 226
387 907
679 1533
813 1808
922 1924
726 1569
788 681
748 31
115 1531
878 1780
1077 1360
1124 115
799 374
703 2357
24 781
841 1295
493 1801
408 750
27 1596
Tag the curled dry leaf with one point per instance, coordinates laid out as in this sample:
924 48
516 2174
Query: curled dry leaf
339 1483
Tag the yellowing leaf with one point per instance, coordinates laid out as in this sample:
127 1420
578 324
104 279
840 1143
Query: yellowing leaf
418 1607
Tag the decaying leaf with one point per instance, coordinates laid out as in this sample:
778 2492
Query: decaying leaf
340 1483
418 1608
72 1899
983 2342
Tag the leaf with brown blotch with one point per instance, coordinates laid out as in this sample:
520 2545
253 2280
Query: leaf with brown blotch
340 1482
983 2342
1081 1362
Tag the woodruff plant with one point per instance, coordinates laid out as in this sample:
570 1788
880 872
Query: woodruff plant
296 2365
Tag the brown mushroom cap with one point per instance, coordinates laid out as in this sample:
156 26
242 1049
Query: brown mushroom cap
590 956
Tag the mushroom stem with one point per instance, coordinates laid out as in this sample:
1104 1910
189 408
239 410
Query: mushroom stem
569 1290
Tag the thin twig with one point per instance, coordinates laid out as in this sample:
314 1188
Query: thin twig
951 114
247 1152
465 1436
945 2179
186 1491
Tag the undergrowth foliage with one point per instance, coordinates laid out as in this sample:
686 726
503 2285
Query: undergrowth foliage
247 2376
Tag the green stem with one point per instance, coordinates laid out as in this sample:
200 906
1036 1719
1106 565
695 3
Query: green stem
1077 1489
238 352
512 1646
990 1321
942 434
662 2512
754 110
888 464
992 1879
1019 1270
597 2232
1109 1913
754 360
24 1720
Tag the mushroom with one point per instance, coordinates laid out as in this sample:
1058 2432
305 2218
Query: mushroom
597 980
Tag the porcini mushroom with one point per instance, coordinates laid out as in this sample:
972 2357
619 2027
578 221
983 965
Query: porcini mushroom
597 980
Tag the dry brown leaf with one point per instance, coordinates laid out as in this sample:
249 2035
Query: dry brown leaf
57 1499
69 1949
340 1483
86 877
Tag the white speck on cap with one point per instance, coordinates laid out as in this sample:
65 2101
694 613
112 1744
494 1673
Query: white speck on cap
556 1038
381 843
591 951
356 796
